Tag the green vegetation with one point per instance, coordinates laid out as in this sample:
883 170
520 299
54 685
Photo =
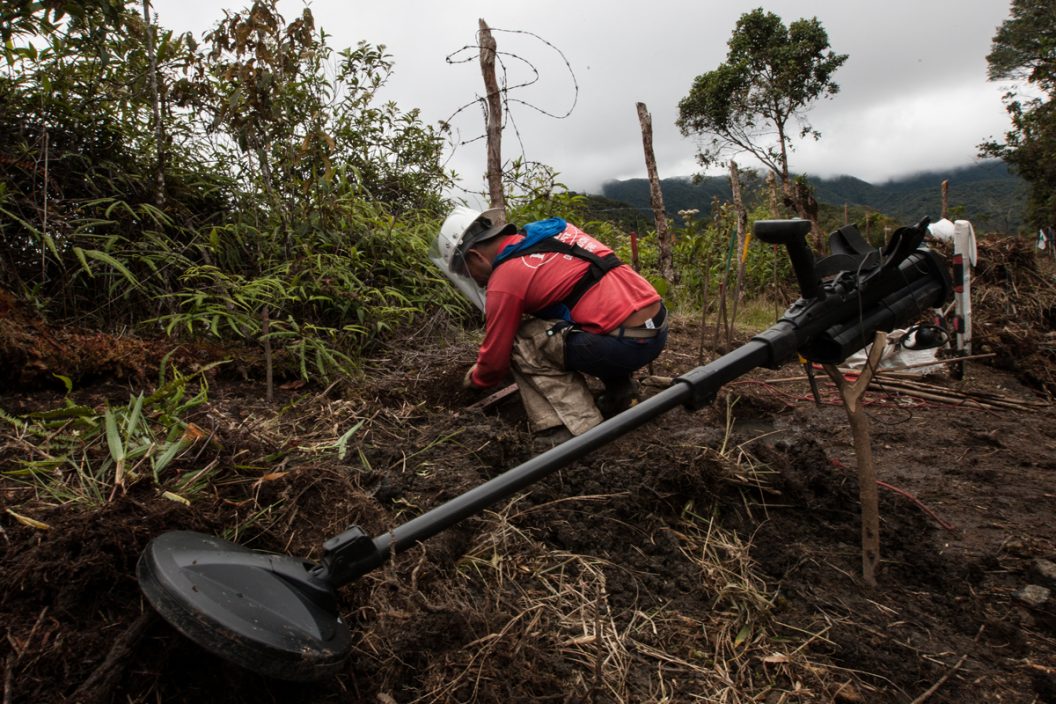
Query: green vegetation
752 101
986 193
1024 48
84 454
251 187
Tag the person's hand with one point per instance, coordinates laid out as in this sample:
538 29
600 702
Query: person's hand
467 381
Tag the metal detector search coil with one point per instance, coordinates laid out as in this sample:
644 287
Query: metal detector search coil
266 612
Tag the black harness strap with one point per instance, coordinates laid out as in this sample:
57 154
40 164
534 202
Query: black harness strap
599 266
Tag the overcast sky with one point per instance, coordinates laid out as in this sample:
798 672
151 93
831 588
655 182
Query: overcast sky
913 92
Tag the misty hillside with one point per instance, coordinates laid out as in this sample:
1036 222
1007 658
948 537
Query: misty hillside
985 193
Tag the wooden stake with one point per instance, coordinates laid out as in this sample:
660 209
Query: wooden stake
656 196
742 233
704 308
720 315
493 398
269 374
851 393
945 198
493 126
721 320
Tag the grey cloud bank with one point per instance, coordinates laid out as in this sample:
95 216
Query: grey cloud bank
914 94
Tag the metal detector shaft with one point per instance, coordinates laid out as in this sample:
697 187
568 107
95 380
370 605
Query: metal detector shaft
839 320
353 553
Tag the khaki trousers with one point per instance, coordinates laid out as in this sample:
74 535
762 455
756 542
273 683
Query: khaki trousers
552 396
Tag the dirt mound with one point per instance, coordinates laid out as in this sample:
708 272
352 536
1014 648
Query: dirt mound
35 354
1014 309
68 592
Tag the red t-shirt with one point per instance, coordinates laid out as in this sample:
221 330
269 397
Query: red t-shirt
533 283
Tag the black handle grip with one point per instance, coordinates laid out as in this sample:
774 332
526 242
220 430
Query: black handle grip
792 234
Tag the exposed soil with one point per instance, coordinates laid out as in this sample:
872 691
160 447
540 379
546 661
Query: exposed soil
708 556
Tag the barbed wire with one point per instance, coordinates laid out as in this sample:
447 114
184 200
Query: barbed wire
505 89
503 58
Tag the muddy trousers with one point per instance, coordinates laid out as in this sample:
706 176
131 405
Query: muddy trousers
552 395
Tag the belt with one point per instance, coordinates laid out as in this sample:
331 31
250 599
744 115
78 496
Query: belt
650 328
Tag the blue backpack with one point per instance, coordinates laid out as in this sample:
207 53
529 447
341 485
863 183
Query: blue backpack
540 237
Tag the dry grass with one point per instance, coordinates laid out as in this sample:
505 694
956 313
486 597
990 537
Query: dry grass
552 611
1014 309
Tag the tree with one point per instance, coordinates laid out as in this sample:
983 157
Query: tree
308 121
1024 49
771 75
22 18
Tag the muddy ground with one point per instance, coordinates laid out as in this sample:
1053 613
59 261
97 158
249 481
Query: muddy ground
707 556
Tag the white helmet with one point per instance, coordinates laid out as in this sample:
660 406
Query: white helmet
462 229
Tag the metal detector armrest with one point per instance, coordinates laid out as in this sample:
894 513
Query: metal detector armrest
793 235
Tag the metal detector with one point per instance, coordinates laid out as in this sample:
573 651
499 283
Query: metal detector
279 615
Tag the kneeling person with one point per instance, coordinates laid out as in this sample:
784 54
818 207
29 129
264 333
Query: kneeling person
590 314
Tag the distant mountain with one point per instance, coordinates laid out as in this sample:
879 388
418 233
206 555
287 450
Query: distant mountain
986 193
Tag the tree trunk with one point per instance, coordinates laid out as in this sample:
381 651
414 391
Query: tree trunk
493 126
159 131
798 196
945 198
667 269
771 188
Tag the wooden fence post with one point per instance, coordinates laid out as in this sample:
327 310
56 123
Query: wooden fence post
493 125
741 216
656 196
868 495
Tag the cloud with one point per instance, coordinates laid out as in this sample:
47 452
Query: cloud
913 93
936 129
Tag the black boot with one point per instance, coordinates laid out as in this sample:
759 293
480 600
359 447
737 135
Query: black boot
618 396
550 438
